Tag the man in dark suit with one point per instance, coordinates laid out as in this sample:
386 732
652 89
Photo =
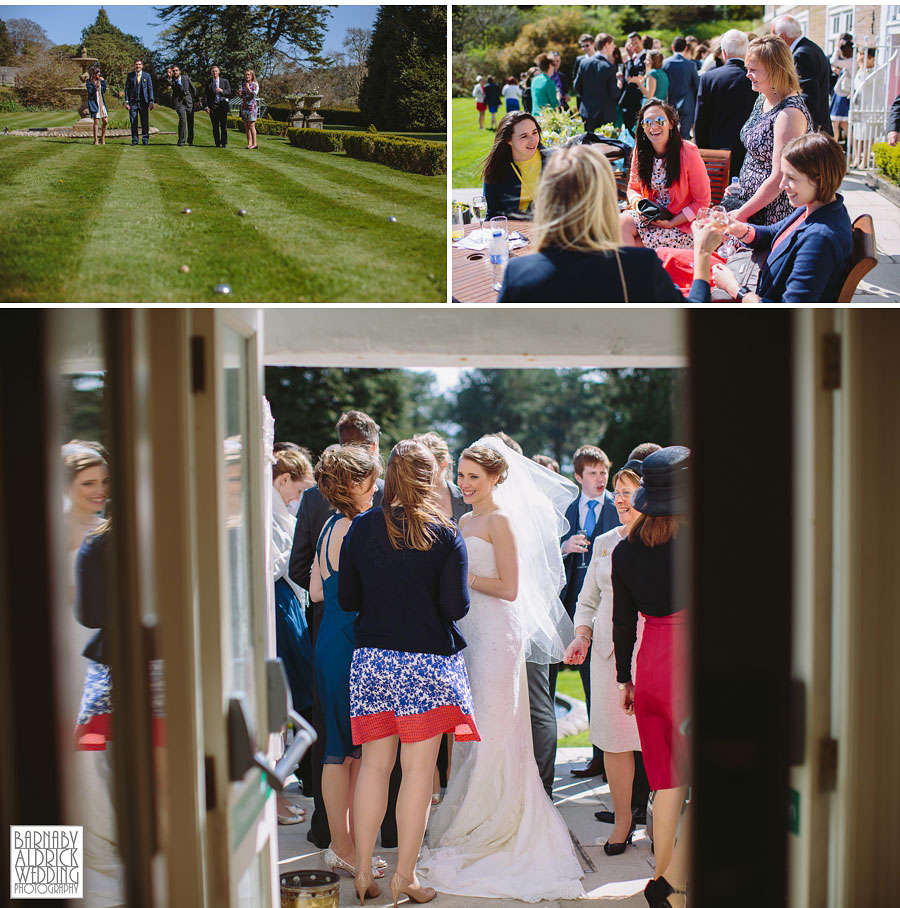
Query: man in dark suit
893 135
357 428
813 69
631 100
684 82
591 515
183 96
725 101
139 101
596 86
215 98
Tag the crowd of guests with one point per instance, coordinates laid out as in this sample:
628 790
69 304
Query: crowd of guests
139 98
377 654
763 98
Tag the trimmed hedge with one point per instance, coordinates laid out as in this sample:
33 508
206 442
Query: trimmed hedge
264 127
332 115
887 160
400 152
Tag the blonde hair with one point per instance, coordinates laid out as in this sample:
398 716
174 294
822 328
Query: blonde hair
494 463
775 56
438 447
338 468
409 504
295 463
576 205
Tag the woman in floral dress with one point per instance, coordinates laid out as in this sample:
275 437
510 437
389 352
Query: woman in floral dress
249 106
778 116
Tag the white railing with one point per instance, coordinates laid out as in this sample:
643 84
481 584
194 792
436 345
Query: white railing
870 102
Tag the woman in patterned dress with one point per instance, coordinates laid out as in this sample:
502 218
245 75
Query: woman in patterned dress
778 116
249 106
96 89
404 570
667 170
346 478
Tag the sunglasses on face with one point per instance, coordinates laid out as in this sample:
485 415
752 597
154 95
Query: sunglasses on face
649 121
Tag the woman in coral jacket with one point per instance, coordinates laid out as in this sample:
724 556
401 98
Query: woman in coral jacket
670 172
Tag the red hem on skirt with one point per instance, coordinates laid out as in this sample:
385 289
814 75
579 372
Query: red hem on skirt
418 727
98 731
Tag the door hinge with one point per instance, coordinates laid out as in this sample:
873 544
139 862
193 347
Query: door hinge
828 764
831 361
198 363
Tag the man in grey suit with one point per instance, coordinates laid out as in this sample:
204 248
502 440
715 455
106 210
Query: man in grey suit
684 83
183 95
596 85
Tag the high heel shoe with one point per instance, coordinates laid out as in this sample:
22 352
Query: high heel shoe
616 848
657 892
366 887
334 861
400 885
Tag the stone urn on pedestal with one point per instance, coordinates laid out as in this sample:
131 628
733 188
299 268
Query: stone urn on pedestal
85 123
304 111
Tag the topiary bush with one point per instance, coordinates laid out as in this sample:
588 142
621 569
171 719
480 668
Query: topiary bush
887 160
410 155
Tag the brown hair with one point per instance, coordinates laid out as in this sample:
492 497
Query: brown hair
339 467
293 462
500 156
644 147
602 40
656 59
626 474
438 447
508 441
587 456
818 157
543 62
252 74
643 449
80 455
409 504
775 56
546 461
357 428
493 463
654 531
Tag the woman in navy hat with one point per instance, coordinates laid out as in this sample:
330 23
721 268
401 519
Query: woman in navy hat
643 581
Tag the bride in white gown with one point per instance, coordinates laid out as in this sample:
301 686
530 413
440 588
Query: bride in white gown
496 834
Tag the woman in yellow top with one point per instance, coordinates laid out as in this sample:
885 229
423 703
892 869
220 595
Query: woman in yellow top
512 169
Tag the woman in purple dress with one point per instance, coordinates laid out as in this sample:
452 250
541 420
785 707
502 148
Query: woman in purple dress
249 106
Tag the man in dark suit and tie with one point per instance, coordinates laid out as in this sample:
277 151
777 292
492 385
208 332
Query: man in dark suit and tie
813 69
596 85
183 95
684 82
215 97
725 101
139 101
353 428
591 515
631 100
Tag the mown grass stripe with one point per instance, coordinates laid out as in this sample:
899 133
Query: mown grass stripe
368 257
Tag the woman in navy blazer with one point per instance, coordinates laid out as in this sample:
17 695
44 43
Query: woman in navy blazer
513 167
96 89
579 256
809 251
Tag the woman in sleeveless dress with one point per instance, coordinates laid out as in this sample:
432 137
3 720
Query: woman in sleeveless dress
778 116
346 478
497 834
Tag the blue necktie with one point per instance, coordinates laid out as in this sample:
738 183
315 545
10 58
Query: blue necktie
591 520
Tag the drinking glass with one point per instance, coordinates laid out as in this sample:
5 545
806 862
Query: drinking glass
719 216
703 216
457 229
479 210
500 223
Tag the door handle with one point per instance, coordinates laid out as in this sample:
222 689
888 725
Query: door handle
277 774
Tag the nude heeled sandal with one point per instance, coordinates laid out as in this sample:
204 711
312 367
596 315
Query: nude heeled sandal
400 885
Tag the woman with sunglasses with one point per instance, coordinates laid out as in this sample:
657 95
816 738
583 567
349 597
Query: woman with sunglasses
513 167
668 171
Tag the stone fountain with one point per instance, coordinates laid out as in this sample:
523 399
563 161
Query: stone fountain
305 111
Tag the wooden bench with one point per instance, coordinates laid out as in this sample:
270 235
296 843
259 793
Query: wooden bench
718 166
864 257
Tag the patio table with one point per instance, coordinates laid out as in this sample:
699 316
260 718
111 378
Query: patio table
471 268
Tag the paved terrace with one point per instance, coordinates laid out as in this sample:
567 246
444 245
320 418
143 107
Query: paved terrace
618 880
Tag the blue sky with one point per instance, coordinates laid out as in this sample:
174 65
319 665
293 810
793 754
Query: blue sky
63 24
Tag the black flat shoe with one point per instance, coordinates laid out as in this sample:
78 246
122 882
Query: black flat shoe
608 816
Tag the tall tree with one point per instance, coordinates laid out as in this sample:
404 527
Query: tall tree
7 48
236 37
406 85
115 50
356 44
27 36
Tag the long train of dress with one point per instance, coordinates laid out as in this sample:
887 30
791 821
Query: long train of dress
496 834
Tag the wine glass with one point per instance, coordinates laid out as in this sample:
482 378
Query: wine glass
703 215
479 210
719 217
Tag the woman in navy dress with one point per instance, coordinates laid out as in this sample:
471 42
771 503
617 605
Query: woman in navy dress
346 478
404 570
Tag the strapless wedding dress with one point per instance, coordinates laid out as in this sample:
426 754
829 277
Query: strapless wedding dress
496 834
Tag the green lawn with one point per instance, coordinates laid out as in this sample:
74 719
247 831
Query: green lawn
470 144
88 224
568 682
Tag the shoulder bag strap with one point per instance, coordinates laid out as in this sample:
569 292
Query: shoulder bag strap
622 277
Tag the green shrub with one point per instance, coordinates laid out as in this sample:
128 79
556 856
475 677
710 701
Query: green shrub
335 117
411 155
887 160
9 103
316 139
264 126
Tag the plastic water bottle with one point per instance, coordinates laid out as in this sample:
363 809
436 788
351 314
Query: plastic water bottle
734 188
499 258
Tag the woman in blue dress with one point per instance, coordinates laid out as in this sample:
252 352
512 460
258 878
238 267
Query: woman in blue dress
346 478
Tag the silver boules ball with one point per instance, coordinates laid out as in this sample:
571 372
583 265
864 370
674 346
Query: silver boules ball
224 289
242 211
392 220
185 268
186 211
